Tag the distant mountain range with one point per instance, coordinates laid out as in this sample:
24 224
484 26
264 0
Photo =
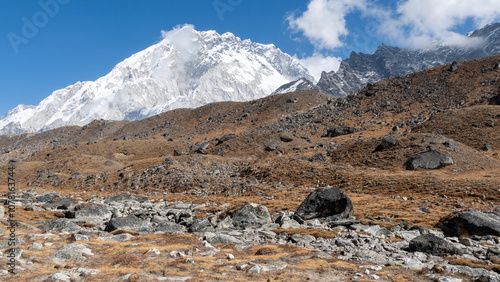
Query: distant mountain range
189 68
358 70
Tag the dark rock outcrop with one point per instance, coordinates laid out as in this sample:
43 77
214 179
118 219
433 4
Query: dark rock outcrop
326 203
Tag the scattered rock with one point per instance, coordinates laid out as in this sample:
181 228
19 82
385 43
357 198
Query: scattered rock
331 203
428 160
286 138
487 148
60 225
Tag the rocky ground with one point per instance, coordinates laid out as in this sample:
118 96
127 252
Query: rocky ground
397 182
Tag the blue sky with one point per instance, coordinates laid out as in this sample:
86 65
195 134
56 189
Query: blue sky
47 45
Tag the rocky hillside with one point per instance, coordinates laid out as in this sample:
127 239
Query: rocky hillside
397 182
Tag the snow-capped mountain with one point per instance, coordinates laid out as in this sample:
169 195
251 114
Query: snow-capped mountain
358 70
187 68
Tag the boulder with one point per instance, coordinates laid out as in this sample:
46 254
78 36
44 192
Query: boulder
73 251
470 222
431 244
170 227
322 203
428 160
201 225
223 239
389 141
101 212
125 197
60 225
495 101
454 66
339 131
61 204
225 138
251 215
129 223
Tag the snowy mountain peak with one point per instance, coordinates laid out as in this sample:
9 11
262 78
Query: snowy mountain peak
187 68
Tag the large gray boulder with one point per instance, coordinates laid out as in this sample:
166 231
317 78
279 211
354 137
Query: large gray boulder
60 225
428 160
431 244
125 197
323 203
130 223
470 222
251 215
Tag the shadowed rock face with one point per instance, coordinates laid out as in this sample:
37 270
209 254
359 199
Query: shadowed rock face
495 101
428 160
324 203
470 222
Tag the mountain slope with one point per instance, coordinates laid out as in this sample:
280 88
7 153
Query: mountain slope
186 69
360 69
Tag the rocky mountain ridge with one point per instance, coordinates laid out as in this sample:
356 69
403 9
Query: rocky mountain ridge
360 69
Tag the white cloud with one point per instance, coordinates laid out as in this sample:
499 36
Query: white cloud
324 21
318 63
416 22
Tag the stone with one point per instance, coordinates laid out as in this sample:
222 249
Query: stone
450 144
60 225
201 225
286 138
487 148
79 237
470 222
272 147
225 138
73 251
431 244
428 160
223 239
495 101
251 215
32 208
129 223
389 141
170 227
323 203
116 238
59 276
126 197
454 66
61 204
339 131
225 224
35 246
101 212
